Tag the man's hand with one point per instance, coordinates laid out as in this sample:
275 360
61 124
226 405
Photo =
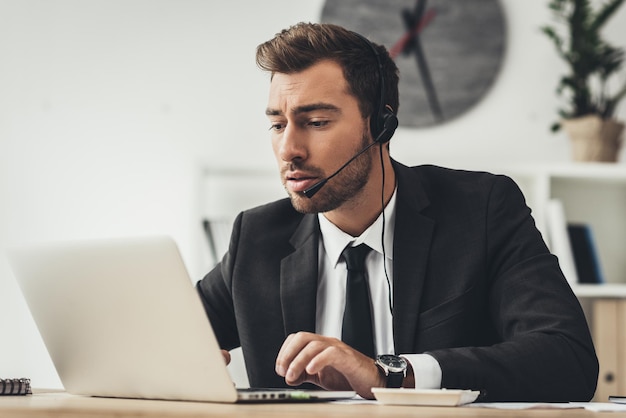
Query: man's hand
328 363
226 356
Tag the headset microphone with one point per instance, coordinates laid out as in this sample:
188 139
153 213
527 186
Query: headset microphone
310 192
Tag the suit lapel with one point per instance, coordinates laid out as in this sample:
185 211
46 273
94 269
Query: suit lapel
298 278
412 241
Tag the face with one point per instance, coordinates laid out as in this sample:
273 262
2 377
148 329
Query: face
316 126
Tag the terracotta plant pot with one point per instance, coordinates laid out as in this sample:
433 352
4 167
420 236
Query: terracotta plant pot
593 138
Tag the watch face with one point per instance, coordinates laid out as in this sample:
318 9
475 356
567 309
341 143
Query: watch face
394 363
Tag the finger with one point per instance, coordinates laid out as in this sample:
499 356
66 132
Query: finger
297 370
339 356
292 345
226 356
281 359
329 356
284 347
329 360
358 370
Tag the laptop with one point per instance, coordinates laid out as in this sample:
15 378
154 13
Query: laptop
121 318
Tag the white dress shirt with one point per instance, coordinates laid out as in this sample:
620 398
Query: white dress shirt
331 291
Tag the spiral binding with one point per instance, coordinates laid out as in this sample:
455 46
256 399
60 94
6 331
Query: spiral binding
15 387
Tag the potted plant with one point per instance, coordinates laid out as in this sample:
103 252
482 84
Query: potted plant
589 116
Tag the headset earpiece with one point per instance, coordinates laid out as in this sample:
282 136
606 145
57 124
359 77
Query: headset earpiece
389 122
383 122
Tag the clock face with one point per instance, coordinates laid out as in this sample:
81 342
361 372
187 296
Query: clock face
448 52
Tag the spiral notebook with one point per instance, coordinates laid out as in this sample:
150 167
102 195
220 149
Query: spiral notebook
121 318
15 387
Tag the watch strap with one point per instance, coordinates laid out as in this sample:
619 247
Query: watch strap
394 375
394 380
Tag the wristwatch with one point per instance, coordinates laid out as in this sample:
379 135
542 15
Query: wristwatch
394 368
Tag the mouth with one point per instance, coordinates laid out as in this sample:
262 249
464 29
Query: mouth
298 182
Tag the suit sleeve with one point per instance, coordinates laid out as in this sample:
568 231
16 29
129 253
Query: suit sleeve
545 352
215 291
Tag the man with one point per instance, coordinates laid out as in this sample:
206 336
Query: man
461 283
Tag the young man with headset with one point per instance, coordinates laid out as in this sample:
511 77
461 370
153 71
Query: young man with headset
463 292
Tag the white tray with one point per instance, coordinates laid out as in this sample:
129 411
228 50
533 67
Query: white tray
425 397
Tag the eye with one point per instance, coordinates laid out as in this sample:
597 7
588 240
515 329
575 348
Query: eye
276 126
318 123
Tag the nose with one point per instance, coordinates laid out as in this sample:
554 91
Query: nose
291 144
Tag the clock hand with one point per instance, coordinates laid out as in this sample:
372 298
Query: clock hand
420 57
403 45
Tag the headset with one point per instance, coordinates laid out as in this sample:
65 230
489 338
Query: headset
383 122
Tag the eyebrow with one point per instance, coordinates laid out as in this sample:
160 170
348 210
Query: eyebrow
305 109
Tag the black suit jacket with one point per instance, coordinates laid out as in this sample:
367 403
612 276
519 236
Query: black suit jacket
474 286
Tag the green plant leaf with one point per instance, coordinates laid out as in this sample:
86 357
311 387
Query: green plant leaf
587 54
606 11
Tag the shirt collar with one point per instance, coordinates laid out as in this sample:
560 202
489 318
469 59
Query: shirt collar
335 240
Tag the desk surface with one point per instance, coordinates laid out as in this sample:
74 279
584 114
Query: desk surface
64 405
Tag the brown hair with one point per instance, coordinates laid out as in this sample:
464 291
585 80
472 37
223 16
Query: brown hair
297 48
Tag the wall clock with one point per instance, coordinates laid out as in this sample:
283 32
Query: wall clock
449 52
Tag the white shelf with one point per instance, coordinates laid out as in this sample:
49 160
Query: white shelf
608 291
590 171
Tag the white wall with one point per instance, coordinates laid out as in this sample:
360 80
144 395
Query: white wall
109 110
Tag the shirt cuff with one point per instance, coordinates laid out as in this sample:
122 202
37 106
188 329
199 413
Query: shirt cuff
426 369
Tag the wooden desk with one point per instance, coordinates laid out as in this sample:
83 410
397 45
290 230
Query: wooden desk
63 405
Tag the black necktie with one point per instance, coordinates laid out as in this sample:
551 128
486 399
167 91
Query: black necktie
357 329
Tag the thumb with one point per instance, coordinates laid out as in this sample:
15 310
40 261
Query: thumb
226 356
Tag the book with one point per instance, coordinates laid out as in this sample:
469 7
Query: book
559 241
15 387
585 255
